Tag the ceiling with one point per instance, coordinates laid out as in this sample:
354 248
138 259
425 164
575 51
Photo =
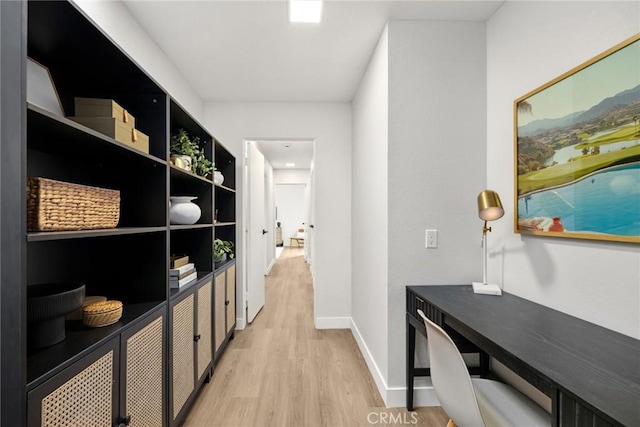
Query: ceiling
281 152
247 51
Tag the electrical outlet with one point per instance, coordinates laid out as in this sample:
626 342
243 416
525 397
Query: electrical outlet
432 239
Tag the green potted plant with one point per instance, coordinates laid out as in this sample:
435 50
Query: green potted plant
222 249
183 145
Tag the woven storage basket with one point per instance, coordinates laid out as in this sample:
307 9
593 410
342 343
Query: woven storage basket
56 205
102 313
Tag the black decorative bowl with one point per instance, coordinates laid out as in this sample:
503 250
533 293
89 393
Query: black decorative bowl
47 306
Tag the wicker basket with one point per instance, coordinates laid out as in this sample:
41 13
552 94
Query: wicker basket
55 205
77 315
102 313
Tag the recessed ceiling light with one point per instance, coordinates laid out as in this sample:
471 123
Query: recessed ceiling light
306 11
286 145
290 165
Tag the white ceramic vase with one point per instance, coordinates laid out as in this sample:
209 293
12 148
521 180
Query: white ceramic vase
218 178
183 211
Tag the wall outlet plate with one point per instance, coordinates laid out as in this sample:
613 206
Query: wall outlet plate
431 239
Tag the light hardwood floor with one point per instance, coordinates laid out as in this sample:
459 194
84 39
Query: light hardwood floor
281 371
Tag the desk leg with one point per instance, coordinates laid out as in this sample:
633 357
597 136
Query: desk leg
411 348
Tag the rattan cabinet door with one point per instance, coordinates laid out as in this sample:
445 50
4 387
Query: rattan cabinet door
84 394
220 310
204 329
183 371
231 298
143 375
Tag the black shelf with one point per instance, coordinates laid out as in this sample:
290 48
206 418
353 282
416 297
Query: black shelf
222 187
80 340
131 268
202 276
175 227
128 263
41 236
226 164
80 57
51 133
196 242
185 175
224 264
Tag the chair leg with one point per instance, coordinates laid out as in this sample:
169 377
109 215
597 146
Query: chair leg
451 423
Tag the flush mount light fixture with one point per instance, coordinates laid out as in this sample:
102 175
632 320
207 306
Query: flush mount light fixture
305 11
290 165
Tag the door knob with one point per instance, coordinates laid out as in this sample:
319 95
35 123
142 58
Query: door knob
264 231
197 338
124 422
312 226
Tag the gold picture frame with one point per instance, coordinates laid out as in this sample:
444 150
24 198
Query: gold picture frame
577 151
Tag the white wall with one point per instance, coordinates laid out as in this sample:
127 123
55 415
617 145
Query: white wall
330 125
528 44
437 128
290 204
369 214
116 21
291 176
418 162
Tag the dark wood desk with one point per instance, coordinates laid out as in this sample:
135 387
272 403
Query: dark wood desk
591 374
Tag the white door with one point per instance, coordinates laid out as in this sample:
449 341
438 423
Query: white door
309 207
255 233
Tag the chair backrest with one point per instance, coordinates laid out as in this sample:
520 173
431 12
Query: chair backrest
450 377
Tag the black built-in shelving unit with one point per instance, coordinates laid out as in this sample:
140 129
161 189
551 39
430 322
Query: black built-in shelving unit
129 263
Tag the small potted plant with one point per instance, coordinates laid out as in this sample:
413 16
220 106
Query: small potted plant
222 250
182 145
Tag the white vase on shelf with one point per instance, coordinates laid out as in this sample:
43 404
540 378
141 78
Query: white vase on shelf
218 178
183 211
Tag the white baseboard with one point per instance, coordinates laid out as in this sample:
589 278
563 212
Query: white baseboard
273 262
240 323
393 397
378 378
333 322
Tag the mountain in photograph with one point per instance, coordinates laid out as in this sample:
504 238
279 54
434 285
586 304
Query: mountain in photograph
605 106
545 124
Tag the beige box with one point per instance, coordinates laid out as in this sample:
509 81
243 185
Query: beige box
116 129
96 107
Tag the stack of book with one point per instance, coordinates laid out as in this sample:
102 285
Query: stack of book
182 272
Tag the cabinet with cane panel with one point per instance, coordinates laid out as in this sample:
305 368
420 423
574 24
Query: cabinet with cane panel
119 383
191 346
225 306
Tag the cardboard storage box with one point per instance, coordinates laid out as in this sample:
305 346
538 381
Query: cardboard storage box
95 107
116 129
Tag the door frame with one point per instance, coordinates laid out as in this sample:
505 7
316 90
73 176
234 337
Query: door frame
246 203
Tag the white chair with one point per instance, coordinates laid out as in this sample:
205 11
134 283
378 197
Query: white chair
475 402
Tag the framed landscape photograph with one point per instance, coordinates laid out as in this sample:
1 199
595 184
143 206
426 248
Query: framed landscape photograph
577 151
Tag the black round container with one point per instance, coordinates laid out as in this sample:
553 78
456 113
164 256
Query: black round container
47 306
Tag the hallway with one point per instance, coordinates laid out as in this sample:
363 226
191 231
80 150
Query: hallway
281 371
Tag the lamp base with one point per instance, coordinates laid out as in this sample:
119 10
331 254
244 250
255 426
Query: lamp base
486 289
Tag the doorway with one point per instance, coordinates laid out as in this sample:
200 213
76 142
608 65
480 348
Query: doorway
290 213
272 166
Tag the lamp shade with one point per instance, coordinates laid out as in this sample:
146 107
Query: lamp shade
489 206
